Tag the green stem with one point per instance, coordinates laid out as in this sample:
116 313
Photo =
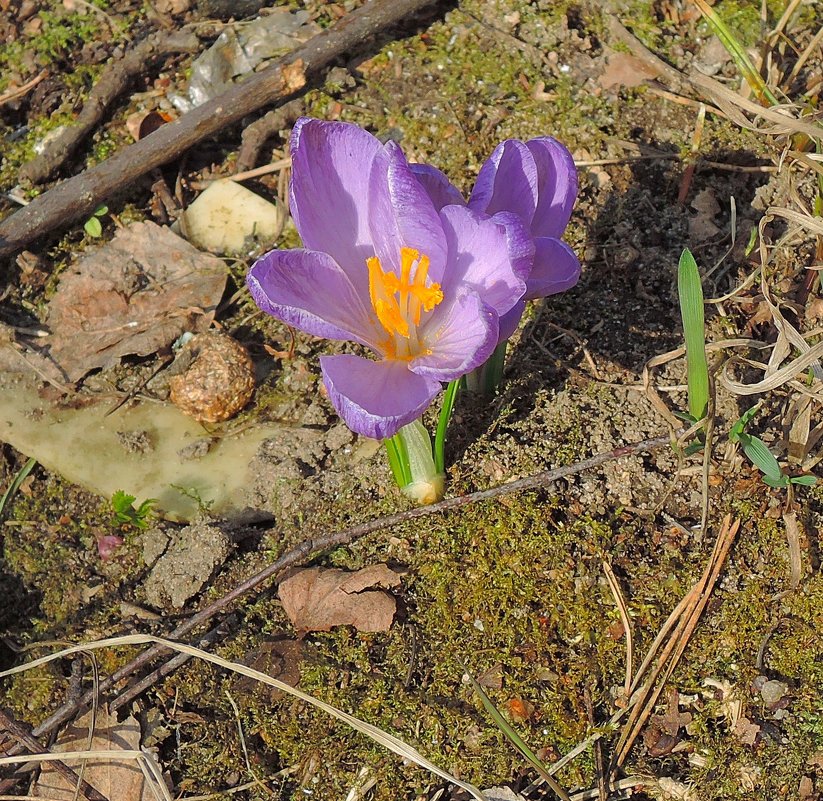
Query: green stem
485 379
452 390
398 460
411 459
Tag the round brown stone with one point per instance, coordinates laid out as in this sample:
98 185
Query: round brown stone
219 381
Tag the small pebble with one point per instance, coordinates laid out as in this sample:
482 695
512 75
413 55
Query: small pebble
772 691
218 383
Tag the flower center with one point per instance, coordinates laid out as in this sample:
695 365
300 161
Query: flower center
399 301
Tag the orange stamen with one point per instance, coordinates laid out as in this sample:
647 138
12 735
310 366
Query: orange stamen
399 302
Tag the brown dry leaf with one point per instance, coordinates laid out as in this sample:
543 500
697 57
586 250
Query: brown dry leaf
317 599
279 658
133 295
142 123
519 709
114 778
746 731
624 69
702 225
492 678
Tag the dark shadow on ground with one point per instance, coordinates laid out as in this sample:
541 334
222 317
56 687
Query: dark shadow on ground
625 308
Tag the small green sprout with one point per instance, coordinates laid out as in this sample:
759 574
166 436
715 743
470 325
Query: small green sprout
93 226
690 291
760 455
126 514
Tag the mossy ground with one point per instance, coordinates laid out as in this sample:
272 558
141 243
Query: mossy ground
518 582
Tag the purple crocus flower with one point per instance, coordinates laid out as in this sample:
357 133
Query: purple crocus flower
422 285
537 181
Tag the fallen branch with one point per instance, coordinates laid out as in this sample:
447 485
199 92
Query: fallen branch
77 197
304 550
116 77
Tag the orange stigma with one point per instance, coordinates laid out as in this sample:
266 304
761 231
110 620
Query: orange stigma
399 301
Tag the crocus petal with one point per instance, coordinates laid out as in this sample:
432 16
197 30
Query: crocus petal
507 181
479 256
401 214
310 291
460 337
556 269
440 189
519 243
376 399
329 192
557 183
510 320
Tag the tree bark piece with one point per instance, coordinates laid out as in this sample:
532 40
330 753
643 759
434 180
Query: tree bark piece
78 196
256 134
113 82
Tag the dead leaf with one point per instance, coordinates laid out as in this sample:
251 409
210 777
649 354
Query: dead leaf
624 69
142 123
519 709
492 678
805 790
278 658
317 599
114 777
133 295
702 226
746 731
294 75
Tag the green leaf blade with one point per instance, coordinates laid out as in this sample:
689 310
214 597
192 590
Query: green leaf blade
762 458
690 292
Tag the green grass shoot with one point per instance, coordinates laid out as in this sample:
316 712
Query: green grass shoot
516 740
443 424
690 291
761 457
15 485
738 54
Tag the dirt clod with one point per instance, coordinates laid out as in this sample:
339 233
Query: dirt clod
189 560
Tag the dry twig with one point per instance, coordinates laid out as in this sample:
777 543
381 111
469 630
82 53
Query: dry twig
27 742
117 76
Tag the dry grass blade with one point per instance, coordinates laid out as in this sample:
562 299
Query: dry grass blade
776 379
783 122
671 642
812 224
620 602
795 557
385 739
